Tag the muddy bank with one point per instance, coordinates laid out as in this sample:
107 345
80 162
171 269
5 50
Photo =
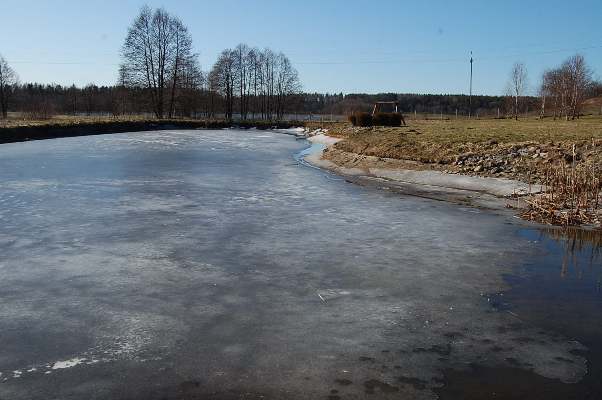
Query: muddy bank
58 130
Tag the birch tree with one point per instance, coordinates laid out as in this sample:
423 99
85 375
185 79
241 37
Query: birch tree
518 85
567 87
579 77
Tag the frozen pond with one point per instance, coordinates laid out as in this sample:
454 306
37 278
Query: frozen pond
211 264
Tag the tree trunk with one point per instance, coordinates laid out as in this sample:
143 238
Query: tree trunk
3 106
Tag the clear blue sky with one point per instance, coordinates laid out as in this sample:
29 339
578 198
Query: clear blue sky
337 46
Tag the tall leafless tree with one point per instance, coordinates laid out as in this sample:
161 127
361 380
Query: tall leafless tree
287 83
222 78
8 79
184 62
156 49
242 66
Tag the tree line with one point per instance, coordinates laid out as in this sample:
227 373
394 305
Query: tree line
37 101
409 103
562 90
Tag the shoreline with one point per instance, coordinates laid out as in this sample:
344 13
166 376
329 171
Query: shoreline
501 194
480 192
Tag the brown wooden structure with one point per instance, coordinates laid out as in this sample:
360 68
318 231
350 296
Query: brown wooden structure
378 108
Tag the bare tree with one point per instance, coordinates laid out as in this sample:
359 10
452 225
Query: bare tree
517 85
183 60
287 83
567 87
222 79
242 66
156 48
268 78
8 79
545 91
191 88
579 78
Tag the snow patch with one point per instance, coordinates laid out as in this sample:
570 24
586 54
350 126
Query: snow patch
324 139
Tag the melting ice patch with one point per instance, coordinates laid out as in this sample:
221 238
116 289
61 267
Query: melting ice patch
68 363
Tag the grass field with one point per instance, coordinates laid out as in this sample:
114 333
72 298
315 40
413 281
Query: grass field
482 130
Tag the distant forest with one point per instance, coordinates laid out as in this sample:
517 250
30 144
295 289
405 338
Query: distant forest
448 104
44 101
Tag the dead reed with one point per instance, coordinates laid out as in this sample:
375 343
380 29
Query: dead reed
570 195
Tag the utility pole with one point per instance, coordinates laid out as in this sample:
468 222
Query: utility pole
470 93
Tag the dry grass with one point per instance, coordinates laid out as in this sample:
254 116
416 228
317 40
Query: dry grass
571 195
16 120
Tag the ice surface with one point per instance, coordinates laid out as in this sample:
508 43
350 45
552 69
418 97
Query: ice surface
191 261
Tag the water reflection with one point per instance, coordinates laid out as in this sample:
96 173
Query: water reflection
559 290
581 251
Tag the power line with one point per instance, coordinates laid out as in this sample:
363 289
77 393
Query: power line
355 62
62 63
450 60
